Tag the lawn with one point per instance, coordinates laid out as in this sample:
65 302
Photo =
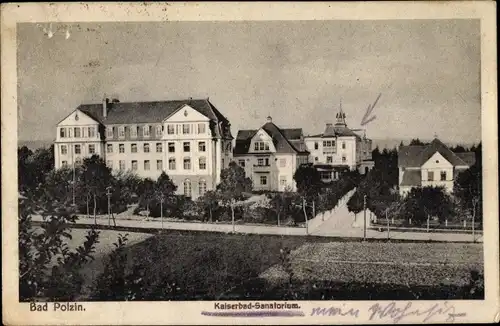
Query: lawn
211 266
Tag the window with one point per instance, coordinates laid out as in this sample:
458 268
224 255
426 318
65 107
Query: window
170 129
133 131
64 149
343 145
109 148
202 146
64 164
343 159
430 176
77 133
316 145
329 159
187 188
62 132
158 131
171 147
159 165
109 163
261 146
133 148
91 149
91 132
78 160
187 163
121 132
121 148
122 165
171 163
241 163
260 162
316 159
134 165
203 163
202 187
146 148
201 128
187 147
147 165
443 175
145 131
109 132
78 149
282 162
283 180
263 180
185 128
159 147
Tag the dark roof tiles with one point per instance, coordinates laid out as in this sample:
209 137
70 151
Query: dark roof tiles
416 156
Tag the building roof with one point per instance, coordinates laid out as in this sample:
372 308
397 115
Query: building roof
336 131
468 157
411 178
284 140
153 112
416 156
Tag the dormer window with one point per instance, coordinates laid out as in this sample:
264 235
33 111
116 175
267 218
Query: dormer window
145 131
133 131
109 132
158 131
121 132
261 146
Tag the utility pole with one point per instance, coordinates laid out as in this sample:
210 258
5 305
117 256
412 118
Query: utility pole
108 193
314 209
161 210
364 218
74 174
388 227
305 214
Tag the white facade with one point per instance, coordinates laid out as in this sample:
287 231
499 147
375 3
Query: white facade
333 150
438 172
181 145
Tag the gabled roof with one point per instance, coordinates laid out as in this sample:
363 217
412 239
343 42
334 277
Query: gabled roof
284 140
468 157
153 112
416 156
411 178
336 130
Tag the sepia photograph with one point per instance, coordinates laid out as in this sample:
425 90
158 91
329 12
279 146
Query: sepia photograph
252 164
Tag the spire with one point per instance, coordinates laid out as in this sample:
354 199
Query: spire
341 116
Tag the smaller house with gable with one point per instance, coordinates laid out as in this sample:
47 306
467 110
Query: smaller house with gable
430 165
271 155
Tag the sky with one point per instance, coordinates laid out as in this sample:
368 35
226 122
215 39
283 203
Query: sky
297 72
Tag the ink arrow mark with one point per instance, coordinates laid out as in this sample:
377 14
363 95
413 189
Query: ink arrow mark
369 110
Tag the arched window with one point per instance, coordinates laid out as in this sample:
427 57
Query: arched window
202 187
187 188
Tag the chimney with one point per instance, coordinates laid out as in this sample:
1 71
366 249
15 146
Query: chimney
269 119
105 103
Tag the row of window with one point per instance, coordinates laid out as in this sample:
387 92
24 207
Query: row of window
172 164
77 132
202 187
430 176
78 149
202 147
263 179
328 143
261 146
172 129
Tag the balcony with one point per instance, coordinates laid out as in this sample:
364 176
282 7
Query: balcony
261 168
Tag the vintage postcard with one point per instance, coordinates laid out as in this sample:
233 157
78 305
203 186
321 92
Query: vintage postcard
249 163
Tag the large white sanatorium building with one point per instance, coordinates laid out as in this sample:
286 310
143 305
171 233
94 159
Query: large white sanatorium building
188 139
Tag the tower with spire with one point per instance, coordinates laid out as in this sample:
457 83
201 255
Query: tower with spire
340 117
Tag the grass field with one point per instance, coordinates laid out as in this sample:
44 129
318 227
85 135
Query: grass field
217 265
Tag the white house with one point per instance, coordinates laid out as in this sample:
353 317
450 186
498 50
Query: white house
270 156
430 165
188 139
339 148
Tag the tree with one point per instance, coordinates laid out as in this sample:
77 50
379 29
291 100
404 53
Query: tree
425 202
233 185
308 181
355 203
468 190
209 203
94 178
281 203
147 191
48 269
416 142
164 187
